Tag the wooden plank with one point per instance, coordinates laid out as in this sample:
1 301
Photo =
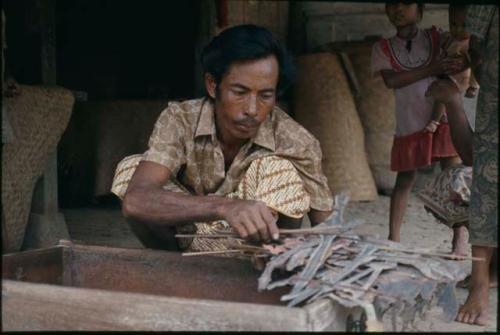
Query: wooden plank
37 266
28 306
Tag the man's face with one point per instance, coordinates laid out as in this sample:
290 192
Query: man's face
401 14
244 97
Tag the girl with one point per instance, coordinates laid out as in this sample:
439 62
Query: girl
409 62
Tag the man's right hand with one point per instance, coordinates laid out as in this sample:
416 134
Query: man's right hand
251 219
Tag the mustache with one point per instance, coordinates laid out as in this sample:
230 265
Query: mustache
248 122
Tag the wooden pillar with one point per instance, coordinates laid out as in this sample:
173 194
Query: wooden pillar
206 31
46 224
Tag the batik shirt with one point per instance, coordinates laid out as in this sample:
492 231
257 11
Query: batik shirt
185 141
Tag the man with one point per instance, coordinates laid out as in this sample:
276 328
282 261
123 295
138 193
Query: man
481 151
220 158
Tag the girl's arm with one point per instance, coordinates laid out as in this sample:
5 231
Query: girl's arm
393 79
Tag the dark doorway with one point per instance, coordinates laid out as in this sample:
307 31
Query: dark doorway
115 49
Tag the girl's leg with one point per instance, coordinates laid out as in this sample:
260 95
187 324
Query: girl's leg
459 240
399 201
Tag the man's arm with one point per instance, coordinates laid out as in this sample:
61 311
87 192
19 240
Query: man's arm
147 201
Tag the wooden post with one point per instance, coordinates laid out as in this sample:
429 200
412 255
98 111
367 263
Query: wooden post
46 225
206 31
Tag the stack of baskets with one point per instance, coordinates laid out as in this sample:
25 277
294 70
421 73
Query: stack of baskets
39 116
324 105
375 105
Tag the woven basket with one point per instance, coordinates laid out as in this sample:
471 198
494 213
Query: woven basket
375 105
38 117
323 104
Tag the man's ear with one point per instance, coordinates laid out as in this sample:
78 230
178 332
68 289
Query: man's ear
210 85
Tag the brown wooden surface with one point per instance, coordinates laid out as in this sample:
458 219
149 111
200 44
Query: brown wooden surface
27 306
168 274
108 287
37 266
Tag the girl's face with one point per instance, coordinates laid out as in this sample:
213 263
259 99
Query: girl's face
401 14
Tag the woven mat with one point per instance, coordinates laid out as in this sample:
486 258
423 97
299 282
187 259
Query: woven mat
39 116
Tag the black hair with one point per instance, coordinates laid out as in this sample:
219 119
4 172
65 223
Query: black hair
246 42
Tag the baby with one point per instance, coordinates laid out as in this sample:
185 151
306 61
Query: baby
455 44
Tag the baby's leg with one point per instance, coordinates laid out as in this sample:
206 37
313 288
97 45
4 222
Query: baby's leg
438 110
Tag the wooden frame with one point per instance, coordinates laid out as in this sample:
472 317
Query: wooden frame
114 289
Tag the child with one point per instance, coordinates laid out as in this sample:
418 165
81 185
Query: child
409 62
455 44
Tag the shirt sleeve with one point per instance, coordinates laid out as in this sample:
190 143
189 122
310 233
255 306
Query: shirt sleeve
379 60
167 142
478 19
315 181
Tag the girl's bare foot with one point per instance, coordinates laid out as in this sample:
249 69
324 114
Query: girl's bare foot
475 310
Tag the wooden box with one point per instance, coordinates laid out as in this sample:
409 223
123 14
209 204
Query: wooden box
80 287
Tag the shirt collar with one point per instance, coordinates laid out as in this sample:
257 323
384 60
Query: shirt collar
206 126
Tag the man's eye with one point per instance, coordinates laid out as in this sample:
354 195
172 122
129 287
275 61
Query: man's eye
239 92
267 96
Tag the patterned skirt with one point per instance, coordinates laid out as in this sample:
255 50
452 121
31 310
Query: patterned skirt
447 196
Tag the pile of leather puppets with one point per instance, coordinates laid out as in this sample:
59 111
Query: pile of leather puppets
380 276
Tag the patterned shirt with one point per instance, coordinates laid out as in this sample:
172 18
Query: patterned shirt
184 140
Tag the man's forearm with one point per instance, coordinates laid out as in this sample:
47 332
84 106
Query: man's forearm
460 131
161 207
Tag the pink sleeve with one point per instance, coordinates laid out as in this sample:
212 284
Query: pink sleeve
379 61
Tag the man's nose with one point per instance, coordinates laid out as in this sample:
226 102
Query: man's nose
252 105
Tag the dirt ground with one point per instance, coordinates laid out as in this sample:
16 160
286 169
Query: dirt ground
106 227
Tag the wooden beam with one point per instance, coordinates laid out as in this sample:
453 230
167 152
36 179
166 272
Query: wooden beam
28 306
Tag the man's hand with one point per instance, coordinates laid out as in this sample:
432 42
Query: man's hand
251 219
444 91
